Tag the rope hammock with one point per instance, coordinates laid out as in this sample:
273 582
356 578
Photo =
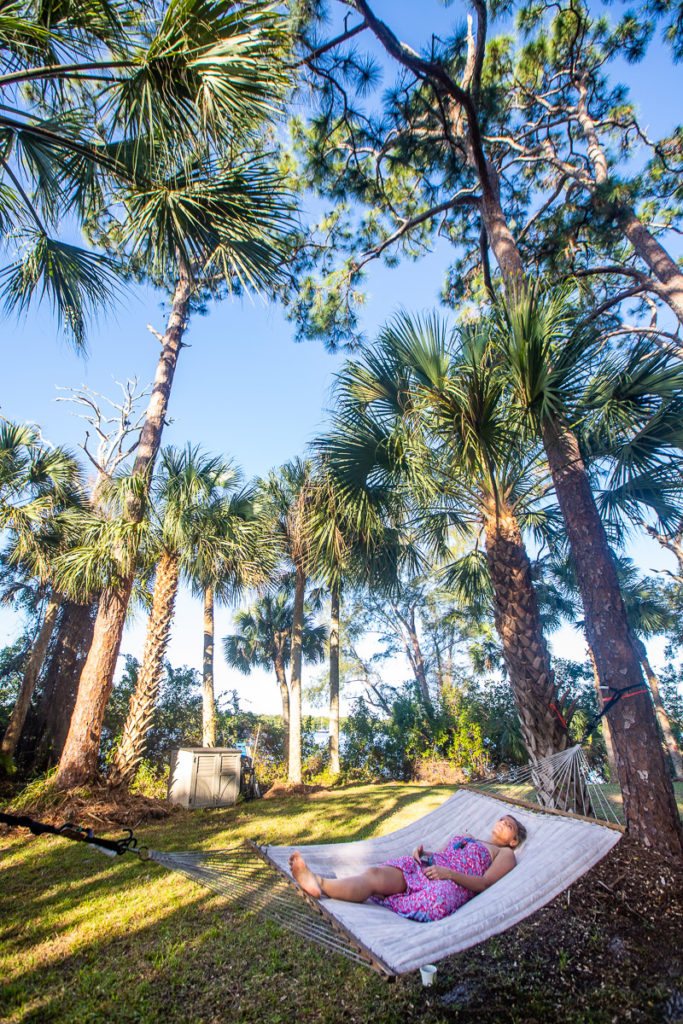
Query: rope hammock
561 846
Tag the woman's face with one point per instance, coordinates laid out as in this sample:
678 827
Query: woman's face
505 832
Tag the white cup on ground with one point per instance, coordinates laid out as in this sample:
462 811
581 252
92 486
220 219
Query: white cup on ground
428 972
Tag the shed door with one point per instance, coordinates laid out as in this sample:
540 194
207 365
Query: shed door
229 785
204 789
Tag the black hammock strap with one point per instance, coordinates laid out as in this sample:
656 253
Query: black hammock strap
626 691
75 832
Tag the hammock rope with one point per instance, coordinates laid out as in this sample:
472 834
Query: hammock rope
567 785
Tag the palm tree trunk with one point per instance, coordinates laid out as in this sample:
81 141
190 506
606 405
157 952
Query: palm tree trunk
79 757
660 711
131 749
649 803
294 773
58 696
525 651
31 673
334 679
284 694
208 702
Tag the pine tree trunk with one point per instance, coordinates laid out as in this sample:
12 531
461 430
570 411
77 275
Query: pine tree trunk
649 803
284 695
294 774
28 684
525 651
644 243
208 702
334 679
131 749
79 759
58 696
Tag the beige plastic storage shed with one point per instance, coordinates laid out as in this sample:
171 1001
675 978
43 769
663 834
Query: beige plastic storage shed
204 776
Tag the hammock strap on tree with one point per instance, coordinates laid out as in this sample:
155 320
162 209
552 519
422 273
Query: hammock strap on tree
625 691
111 847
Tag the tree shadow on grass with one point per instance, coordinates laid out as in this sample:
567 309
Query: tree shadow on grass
201 961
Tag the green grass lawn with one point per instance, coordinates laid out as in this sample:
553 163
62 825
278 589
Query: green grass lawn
85 939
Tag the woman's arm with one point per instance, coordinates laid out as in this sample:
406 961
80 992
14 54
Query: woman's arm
504 862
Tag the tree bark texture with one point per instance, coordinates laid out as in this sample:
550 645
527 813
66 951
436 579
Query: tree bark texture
411 644
294 774
525 651
60 684
79 758
78 762
334 680
131 749
649 803
31 673
208 702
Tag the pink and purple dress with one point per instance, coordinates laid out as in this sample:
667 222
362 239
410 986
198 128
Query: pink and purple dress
426 900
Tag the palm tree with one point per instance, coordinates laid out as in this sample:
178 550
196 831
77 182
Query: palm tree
36 482
263 640
426 407
344 545
117 96
231 553
212 215
187 479
287 499
547 355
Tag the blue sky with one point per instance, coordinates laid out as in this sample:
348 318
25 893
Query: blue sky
244 388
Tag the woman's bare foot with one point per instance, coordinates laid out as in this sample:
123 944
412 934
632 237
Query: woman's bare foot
304 876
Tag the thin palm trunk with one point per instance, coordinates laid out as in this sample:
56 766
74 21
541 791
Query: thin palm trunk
284 694
525 651
606 731
649 803
660 711
28 683
294 773
79 758
334 679
131 749
58 696
208 702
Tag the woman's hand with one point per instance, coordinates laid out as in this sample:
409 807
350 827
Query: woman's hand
436 873
417 853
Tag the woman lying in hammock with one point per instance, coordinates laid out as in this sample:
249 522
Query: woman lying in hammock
426 886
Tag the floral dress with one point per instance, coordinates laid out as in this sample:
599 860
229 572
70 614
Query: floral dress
426 900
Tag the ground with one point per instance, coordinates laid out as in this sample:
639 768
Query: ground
87 940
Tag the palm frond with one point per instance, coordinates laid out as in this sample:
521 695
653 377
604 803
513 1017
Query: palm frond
77 283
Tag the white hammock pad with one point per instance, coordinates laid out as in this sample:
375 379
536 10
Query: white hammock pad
558 850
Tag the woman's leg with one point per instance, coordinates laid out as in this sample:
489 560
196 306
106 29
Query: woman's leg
379 881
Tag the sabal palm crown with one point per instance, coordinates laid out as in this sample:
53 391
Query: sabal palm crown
427 410
136 120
